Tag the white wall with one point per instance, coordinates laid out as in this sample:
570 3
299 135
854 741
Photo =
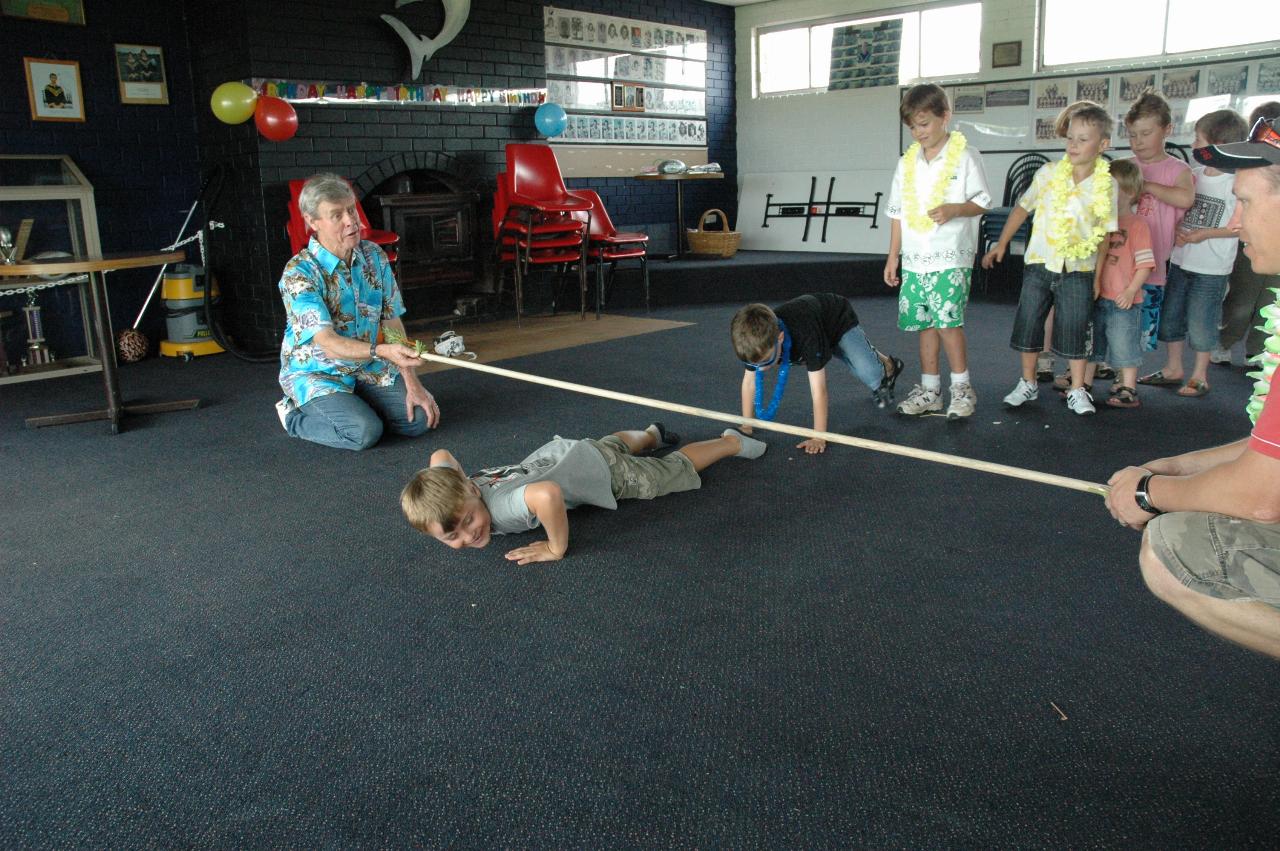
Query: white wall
854 129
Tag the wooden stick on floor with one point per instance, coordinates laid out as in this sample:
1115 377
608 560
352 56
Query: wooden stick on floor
830 437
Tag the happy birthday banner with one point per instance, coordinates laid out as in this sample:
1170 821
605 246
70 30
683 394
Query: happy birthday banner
359 93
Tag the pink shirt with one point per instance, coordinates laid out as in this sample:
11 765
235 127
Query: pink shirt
1266 431
1129 249
1161 218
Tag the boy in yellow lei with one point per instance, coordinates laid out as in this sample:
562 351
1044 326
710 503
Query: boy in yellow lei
1075 202
939 190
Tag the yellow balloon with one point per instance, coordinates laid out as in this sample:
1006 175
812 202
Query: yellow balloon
233 103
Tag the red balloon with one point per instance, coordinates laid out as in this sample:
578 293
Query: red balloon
276 118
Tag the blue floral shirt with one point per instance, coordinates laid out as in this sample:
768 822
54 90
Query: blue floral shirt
321 291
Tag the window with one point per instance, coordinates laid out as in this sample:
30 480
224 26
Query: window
943 41
1141 28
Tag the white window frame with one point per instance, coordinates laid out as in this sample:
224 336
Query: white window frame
859 18
1130 61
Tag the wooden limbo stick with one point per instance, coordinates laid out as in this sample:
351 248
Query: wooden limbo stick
847 440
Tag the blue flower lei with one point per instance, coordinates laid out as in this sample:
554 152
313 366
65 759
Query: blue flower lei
784 368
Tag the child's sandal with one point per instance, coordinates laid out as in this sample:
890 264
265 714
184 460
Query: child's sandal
1123 397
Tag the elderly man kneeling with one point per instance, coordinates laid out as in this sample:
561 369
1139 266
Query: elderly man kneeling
341 386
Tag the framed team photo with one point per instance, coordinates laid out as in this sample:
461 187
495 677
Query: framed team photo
140 74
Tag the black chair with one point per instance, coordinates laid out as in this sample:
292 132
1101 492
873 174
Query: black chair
1173 149
1016 182
1019 177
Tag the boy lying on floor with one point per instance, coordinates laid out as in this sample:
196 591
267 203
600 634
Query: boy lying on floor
461 511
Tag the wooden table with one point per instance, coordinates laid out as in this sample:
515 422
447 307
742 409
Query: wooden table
97 268
680 179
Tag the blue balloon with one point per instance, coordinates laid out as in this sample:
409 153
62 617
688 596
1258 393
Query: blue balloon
550 119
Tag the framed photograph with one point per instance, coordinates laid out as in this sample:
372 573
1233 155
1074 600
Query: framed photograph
628 97
1006 54
53 89
59 11
140 73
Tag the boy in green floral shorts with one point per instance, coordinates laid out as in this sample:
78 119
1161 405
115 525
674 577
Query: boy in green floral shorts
939 190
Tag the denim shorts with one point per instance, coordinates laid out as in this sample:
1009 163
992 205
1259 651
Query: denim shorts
1152 301
1071 293
1117 334
1192 308
645 478
1220 556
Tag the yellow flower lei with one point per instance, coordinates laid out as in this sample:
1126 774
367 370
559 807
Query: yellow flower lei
919 220
1061 223
1267 361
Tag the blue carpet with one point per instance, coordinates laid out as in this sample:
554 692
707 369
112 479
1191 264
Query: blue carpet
213 635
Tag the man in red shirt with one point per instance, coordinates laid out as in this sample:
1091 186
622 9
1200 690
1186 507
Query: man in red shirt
1211 546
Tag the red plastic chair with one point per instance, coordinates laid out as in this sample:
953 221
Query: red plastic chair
526 236
606 244
300 234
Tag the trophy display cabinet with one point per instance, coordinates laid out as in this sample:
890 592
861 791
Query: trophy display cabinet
46 211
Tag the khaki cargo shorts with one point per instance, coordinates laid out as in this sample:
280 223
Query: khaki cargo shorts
645 478
1220 556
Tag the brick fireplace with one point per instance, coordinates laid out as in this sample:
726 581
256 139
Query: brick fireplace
435 211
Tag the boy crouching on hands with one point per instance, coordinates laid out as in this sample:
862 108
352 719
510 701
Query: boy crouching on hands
461 511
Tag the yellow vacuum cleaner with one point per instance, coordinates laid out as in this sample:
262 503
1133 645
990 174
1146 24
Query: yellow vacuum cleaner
185 319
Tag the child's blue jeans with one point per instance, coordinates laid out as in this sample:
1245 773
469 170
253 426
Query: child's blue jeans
1117 334
856 352
1192 308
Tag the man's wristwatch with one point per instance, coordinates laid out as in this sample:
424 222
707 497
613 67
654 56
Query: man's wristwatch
373 350
1143 497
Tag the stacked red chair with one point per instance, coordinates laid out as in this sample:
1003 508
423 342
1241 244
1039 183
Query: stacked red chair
300 234
533 220
606 245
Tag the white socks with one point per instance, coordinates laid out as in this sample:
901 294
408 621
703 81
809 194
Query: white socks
959 378
932 383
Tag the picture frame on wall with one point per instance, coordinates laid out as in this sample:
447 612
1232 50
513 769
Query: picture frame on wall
53 89
628 97
1006 54
57 11
140 74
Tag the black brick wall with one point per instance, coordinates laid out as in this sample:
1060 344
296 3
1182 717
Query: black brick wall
501 47
140 159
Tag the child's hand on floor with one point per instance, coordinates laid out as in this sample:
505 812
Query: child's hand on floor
540 551
813 445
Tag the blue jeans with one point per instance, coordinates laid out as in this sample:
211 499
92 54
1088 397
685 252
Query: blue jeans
856 352
1071 293
356 420
1192 308
1117 334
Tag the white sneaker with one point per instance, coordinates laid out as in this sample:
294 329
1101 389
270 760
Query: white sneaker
1023 391
920 401
1220 356
1080 402
282 410
963 401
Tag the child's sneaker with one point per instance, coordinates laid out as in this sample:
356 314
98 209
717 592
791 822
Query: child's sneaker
920 401
963 401
1023 391
1044 366
1080 402
883 394
1222 356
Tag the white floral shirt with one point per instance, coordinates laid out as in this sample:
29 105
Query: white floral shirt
954 244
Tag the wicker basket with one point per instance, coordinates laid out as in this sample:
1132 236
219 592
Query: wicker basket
722 243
